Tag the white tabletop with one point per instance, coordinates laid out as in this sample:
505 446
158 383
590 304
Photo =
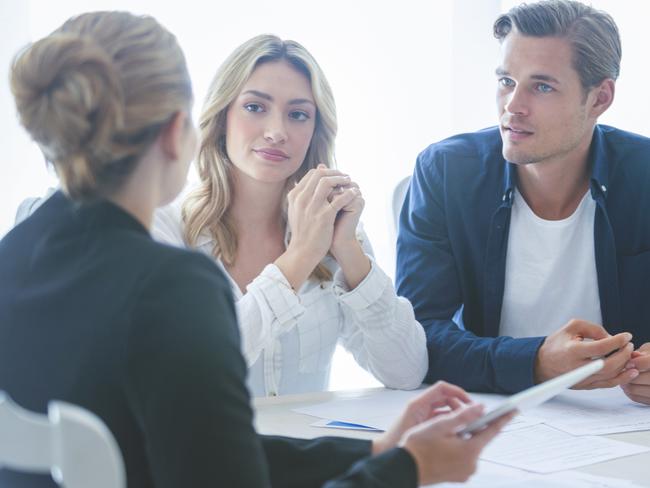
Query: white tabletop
274 416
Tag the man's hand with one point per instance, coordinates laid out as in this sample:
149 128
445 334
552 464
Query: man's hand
639 388
577 343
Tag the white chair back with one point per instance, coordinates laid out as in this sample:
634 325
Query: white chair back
399 193
29 205
69 442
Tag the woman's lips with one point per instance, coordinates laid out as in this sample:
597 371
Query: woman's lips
271 154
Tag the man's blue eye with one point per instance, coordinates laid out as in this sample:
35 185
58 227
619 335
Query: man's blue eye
544 88
506 82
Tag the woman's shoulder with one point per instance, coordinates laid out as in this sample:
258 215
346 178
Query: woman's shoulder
185 270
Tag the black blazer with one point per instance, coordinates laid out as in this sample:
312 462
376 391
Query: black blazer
94 312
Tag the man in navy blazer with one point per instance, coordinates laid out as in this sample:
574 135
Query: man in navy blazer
535 234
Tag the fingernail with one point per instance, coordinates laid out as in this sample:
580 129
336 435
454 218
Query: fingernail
628 336
629 365
634 373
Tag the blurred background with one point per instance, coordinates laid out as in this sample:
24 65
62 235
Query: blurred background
404 74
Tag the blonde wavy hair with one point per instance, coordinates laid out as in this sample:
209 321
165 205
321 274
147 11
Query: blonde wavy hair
96 93
206 210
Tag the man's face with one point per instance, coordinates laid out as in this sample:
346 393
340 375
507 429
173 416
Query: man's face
543 111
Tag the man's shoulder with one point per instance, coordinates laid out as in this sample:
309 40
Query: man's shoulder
482 145
624 143
615 136
626 152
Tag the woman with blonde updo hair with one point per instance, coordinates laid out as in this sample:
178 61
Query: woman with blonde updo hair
95 313
94 110
284 226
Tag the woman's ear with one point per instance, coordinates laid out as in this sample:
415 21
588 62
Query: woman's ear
171 136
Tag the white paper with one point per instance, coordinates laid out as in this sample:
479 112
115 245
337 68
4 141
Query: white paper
377 409
543 449
577 412
490 475
594 412
380 409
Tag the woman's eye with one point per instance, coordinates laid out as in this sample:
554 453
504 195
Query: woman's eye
299 115
253 107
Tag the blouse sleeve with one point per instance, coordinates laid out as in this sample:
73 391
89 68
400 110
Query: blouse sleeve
379 328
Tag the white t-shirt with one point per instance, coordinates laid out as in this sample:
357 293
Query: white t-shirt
550 271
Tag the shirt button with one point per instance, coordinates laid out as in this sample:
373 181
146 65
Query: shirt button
604 188
273 393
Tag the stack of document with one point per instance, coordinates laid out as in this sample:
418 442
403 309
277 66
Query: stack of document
490 475
544 449
556 436
594 412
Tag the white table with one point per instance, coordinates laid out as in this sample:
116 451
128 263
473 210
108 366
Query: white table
274 416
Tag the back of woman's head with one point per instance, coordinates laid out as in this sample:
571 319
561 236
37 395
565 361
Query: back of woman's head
95 94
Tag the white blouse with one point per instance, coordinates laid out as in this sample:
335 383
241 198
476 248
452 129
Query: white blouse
288 338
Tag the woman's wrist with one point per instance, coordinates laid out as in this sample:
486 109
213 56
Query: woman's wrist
353 262
340 250
296 266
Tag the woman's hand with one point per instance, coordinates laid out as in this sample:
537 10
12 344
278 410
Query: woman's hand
435 400
345 247
312 212
347 220
428 430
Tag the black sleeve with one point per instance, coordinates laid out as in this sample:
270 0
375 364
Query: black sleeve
393 468
300 463
186 377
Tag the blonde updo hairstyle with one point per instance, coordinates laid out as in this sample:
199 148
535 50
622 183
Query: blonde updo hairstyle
96 93
206 210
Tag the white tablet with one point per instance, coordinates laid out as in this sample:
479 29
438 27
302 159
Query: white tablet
535 395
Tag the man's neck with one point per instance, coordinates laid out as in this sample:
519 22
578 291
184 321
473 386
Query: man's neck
554 188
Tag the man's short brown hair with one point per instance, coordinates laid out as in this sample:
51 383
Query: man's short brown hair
592 33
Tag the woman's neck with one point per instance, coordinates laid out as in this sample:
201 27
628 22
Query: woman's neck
256 206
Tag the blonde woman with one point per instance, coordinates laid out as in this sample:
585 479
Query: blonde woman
283 224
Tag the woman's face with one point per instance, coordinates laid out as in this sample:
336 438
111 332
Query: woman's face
270 124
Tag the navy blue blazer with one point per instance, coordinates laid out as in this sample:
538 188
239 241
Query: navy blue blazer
452 245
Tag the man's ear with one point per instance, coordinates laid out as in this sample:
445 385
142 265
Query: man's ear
604 96
171 136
